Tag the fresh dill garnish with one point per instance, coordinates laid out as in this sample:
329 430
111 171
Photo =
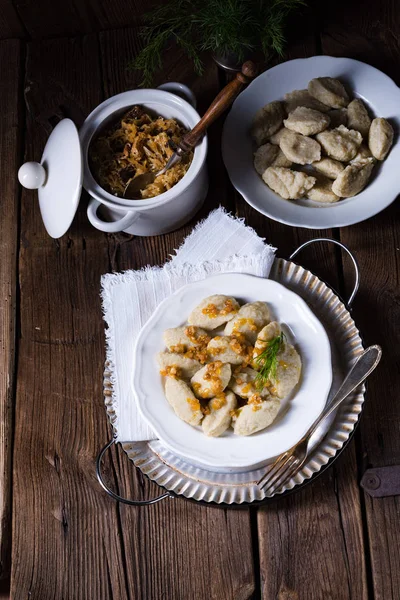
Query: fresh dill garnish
268 361
219 26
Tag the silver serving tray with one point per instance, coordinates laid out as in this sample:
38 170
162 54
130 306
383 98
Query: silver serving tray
179 477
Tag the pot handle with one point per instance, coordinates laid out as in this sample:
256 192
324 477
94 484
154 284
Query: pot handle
181 90
353 260
115 496
109 227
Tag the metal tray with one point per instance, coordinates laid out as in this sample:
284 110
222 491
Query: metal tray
181 478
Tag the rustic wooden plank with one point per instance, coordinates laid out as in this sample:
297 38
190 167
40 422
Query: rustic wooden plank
54 18
202 537
373 38
66 539
10 150
327 514
10 23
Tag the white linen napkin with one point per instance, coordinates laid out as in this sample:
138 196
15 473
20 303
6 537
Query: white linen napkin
221 243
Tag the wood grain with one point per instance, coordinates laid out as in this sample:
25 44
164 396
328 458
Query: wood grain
326 515
55 18
66 538
10 149
179 541
10 24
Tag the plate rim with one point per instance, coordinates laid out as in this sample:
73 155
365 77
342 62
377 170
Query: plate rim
306 223
176 447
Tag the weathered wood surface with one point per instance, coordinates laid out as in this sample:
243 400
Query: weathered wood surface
10 148
10 24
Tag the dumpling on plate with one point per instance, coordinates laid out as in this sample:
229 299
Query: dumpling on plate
322 190
329 91
363 152
380 138
358 117
269 155
276 138
307 121
266 335
211 380
256 417
223 348
329 167
299 148
303 98
289 184
249 320
219 418
179 339
341 143
214 311
183 401
186 367
267 121
244 383
288 371
354 178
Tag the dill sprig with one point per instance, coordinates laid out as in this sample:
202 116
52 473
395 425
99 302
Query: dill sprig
268 361
217 26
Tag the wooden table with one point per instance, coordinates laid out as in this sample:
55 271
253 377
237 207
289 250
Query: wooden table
69 539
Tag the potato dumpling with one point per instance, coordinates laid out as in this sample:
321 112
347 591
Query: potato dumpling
249 320
354 178
340 143
179 339
303 98
221 348
267 333
269 155
183 401
363 152
299 148
255 417
267 121
329 91
307 121
358 117
219 418
338 116
244 384
288 372
380 138
187 366
329 167
322 190
289 184
214 311
211 380
277 137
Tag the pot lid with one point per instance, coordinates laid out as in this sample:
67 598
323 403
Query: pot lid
58 178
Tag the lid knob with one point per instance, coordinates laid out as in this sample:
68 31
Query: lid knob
32 175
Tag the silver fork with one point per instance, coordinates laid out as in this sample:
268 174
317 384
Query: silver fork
291 461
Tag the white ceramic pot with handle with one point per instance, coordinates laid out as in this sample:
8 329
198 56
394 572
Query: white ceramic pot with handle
64 167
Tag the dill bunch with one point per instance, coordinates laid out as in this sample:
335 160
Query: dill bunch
217 26
268 361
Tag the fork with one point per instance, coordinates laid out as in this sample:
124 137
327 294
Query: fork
291 461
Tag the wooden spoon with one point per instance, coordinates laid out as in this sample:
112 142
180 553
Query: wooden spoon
192 137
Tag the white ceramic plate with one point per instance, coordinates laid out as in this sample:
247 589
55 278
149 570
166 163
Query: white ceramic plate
296 415
375 88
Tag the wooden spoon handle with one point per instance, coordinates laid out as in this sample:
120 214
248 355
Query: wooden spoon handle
218 106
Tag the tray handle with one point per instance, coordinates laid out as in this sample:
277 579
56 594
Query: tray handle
352 257
113 494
